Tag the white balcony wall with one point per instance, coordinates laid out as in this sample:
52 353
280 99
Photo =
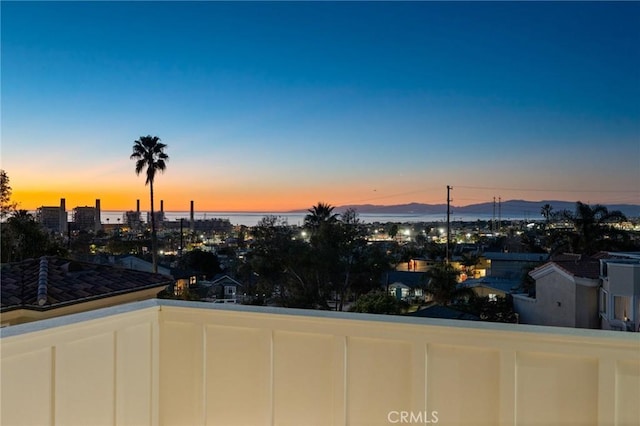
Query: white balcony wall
180 363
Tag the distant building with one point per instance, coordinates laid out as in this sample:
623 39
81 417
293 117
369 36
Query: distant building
84 218
132 219
49 218
87 218
512 266
53 218
159 218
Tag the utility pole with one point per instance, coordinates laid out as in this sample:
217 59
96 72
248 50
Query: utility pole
499 214
181 237
493 219
448 221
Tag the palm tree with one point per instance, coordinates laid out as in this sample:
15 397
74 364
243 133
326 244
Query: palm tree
149 153
593 230
546 212
321 213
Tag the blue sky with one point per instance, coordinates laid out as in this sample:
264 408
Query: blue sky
279 105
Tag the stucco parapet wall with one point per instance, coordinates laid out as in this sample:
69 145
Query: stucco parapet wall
525 298
550 334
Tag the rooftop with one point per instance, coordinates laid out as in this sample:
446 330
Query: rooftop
50 282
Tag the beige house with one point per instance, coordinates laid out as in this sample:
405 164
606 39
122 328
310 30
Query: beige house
566 294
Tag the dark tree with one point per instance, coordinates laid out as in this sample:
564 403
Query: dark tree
149 154
546 212
6 206
443 285
592 231
378 302
201 262
23 238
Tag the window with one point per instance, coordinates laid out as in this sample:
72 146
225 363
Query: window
621 307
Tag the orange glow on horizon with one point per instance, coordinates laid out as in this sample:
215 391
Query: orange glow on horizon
248 201
266 199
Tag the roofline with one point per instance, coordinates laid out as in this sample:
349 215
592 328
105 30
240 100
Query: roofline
549 333
549 267
49 307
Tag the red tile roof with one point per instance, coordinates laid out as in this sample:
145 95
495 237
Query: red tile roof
68 282
578 265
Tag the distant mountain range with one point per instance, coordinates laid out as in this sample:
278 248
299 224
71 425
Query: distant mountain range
506 209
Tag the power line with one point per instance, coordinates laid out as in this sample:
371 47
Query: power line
494 188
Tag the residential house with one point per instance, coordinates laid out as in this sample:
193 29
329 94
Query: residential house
405 285
512 266
137 264
601 291
619 304
223 288
493 287
566 293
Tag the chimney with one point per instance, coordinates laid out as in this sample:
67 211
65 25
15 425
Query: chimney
137 206
191 217
161 206
63 215
97 219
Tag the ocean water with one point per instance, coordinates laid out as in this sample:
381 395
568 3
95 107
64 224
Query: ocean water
252 218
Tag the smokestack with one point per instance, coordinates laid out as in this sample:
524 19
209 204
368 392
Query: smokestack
161 206
137 206
191 217
63 215
97 219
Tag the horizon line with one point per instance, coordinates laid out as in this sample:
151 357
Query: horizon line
304 209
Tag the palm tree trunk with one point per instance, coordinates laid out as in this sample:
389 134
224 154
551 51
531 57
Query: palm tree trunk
154 242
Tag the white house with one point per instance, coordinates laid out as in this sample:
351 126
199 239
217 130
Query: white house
620 292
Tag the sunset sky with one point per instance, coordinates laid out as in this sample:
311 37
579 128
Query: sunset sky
276 106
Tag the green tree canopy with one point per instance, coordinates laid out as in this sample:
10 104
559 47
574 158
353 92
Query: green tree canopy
378 302
24 238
